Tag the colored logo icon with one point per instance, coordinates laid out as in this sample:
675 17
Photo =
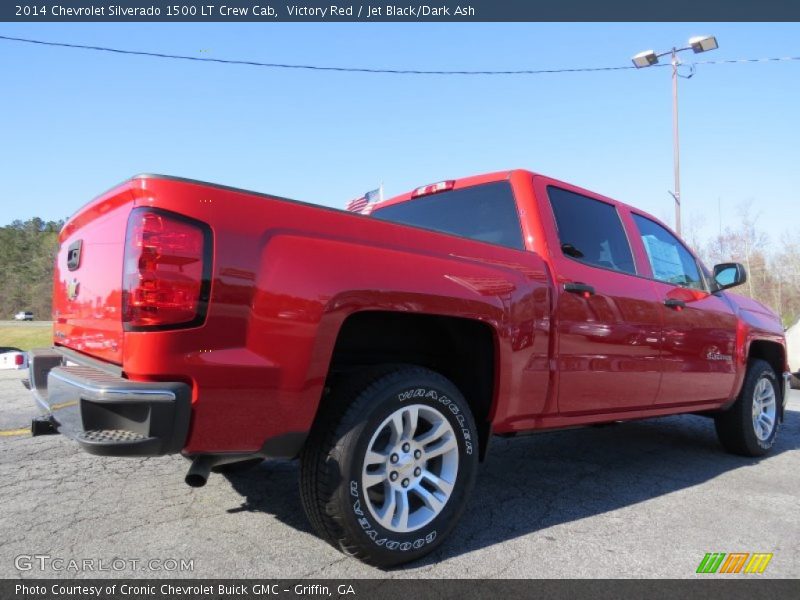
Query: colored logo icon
735 562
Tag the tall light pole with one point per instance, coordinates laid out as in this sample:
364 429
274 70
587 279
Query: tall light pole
649 58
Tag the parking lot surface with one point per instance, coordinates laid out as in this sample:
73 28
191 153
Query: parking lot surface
642 499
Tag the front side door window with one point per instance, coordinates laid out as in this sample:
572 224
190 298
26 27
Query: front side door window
669 259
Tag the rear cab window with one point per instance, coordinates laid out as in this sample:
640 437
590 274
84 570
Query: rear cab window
590 231
669 259
486 212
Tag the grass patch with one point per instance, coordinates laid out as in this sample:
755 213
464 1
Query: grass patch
26 336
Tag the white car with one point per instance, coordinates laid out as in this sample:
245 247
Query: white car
13 358
23 316
793 352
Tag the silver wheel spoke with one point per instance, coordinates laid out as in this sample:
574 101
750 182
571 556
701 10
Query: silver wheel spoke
444 487
374 458
437 431
430 499
374 478
386 512
396 427
411 416
401 520
445 445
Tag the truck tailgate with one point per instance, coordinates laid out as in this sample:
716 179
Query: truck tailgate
87 295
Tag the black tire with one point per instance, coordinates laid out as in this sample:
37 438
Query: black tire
331 485
735 428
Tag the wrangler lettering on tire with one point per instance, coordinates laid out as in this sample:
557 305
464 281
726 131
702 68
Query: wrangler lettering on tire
389 464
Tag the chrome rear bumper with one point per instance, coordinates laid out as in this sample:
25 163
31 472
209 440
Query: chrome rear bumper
106 413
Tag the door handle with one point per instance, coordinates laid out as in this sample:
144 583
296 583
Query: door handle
674 303
579 288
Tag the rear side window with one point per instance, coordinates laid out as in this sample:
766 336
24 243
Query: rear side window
670 260
487 213
590 231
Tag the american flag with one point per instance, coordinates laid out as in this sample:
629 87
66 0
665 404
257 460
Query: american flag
362 204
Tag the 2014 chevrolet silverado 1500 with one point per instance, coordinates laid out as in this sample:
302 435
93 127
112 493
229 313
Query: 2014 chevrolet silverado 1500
384 350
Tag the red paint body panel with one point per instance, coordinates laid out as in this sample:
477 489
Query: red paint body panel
91 322
608 343
286 275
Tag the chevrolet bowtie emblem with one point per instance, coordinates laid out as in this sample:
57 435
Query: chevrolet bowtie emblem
72 289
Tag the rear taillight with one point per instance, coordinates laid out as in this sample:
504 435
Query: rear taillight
434 188
19 360
167 270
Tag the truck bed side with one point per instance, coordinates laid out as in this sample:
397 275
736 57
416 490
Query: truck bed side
287 275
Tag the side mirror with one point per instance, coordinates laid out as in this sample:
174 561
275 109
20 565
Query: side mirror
728 275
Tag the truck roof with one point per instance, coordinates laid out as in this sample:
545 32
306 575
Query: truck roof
499 176
458 183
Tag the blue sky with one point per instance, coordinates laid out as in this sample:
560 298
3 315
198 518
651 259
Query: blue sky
74 122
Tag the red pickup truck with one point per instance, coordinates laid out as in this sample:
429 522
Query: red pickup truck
385 350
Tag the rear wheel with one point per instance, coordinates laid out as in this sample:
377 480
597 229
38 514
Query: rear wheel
389 464
750 426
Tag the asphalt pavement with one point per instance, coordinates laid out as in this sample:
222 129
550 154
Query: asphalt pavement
642 499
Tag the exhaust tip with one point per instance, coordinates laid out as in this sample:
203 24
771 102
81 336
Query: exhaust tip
198 472
195 480
201 466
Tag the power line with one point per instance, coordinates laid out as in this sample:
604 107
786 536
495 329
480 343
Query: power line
746 60
253 63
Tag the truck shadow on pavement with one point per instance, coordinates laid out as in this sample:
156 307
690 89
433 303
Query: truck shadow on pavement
530 484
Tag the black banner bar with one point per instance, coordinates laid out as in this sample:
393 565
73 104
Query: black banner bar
397 10
741 587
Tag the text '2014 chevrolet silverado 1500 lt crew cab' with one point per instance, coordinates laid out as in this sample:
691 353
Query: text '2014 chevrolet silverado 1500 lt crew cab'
384 350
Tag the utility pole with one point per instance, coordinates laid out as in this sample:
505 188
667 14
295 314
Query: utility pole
676 146
649 58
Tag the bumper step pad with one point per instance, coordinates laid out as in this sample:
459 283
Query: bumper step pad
111 437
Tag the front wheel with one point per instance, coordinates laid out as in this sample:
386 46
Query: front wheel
750 426
389 464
